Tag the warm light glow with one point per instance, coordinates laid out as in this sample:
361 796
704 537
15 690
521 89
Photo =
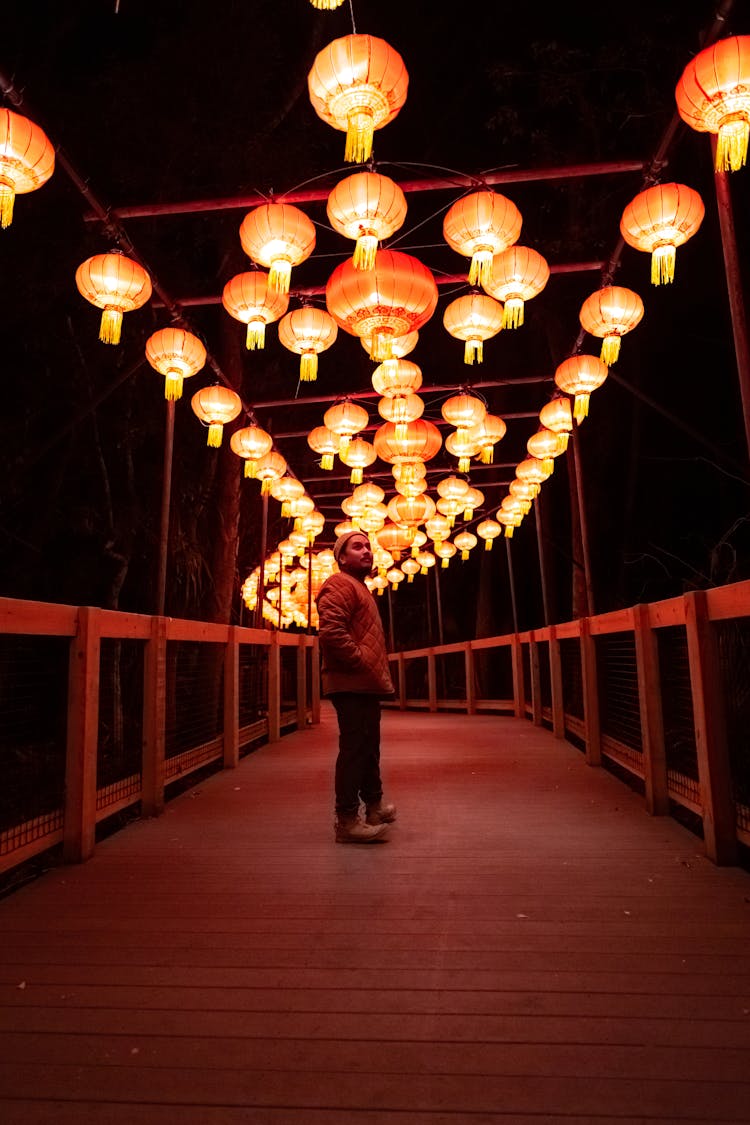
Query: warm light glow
368 208
215 406
27 160
345 418
517 274
610 313
278 236
357 455
660 219
307 332
580 375
473 318
556 416
488 530
177 355
487 433
326 442
420 443
713 95
251 444
116 284
248 298
465 542
397 377
480 225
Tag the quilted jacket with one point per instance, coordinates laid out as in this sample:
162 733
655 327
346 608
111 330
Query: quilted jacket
352 643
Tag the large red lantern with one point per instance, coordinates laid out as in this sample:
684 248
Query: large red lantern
420 443
27 160
713 96
659 220
116 284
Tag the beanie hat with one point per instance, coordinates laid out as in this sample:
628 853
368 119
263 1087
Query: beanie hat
343 540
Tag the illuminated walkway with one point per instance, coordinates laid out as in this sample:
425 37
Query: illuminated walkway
529 946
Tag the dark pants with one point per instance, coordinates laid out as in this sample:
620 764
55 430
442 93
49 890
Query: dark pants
358 762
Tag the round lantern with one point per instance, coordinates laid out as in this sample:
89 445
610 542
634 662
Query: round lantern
462 445
271 467
517 275
368 494
426 560
472 498
27 160
410 567
395 576
463 411
509 520
473 318
357 455
326 5
251 443
397 377
544 445
278 236
420 443
452 488
579 376
488 530
401 409
368 208
373 518
609 313
326 442
660 219
215 406
399 346
397 296
479 226
358 84
346 419
438 527
116 284
407 472
523 490
176 354
713 96
532 471
445 550
248 298
487 433
556 415
465 542
410 487
409 511
450 507
393 539
307 332
286 490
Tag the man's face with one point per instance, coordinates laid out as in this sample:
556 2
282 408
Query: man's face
356 557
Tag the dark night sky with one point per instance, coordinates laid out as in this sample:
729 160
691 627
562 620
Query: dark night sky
172 101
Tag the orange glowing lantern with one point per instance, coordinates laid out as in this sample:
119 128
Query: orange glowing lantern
450 506
481 225
278 236
438 527
488 530
465 542
27 160
517 275
215 406
326 442
369 494
393 539
410 487
473 318
556 416
251 443
401 409
453 488
544 445
426 560
286 490
473 498
509 520
580 375
462 445
307 332
524 491
116 284
408 471
346 419
326 5
532 471
409 511
609 313
395 576
396 297
397 377
357 84
367 207
420 443
487 434
248 298
399 347
660 219
445 550
176 354
713 96
357 455
463 411
373 518
410 567
271 467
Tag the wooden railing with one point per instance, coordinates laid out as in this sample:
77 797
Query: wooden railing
84 800
716 783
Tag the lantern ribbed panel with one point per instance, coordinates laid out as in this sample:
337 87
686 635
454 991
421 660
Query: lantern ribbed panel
658 220
177 355
479 226
397 377
400 345
610 313
579 376
518 274
356 77
713 95
411 510
367 207
401 408
279 236
307 332
113 281
463 411
397 296
346 418
248 298
322 440
473 318
215 406
420 443
27 159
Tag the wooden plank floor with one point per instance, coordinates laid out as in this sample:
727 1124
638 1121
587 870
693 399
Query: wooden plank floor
528 947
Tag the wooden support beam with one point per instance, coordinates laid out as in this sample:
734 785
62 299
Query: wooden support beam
555 679
471 690
652 720
431 681
590 695
301 682
79 824
519 695
274 688
232 699
536 683
154 718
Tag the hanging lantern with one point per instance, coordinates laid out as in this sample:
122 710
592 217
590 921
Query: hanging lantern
271 467
354 508
472 498
517 275
438 527
409 511
411 487
395 576
357 455
509 520
410 567
397 377
357 84
713 96
473 318
307 332
286 490
366 207
556 416
312 525
326 5
408 471
421 442
463 411
462 445
215 406
116 284
488 530
524 491
397 296
277 236
465 542
251 443
544 445
401 409
369 494
479 226
426 560
610 313
373 518
399 347
299 506
176 354
487 434
580 375
660 219
27 160
326 442
452 488
533 472
346 419
445 550
450 507
393 539
248 298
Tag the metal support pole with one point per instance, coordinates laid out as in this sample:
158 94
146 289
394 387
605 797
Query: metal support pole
575 447
512 583
259 619
439 604
309 585
166 496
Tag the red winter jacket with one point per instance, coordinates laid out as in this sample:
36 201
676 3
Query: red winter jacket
352 642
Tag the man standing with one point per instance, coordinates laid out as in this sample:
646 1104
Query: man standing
355 675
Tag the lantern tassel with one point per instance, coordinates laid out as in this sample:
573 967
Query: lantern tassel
109 329
610 350
473 351
265 487
355 476
444 564
410 578
732 144
509 531
279 275
581 407
308 367
480 270
173 386
7 196
256 335
359 135
464 464
513 312
488 544
215 433
326 461
251 469
662 264
487 454
365 249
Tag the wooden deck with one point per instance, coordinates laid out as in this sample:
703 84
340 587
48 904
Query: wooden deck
529 946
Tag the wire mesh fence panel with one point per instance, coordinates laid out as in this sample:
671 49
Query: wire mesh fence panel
195 696
288 662
120 737
617 677
545 680
450 676
734 659
526 668
677 701
572 679
33 727
253 683
493 673
416 678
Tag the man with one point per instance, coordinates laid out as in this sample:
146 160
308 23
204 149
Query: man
355 675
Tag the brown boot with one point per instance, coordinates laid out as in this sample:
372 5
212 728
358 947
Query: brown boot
379 813
352 830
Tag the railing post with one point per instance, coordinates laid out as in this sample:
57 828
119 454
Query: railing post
719 819
79 824
301 682
590 682
431 681
154 719
555 679
516 656
401 682
274 688
232 699
471 694
536 683
652 721
315 680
